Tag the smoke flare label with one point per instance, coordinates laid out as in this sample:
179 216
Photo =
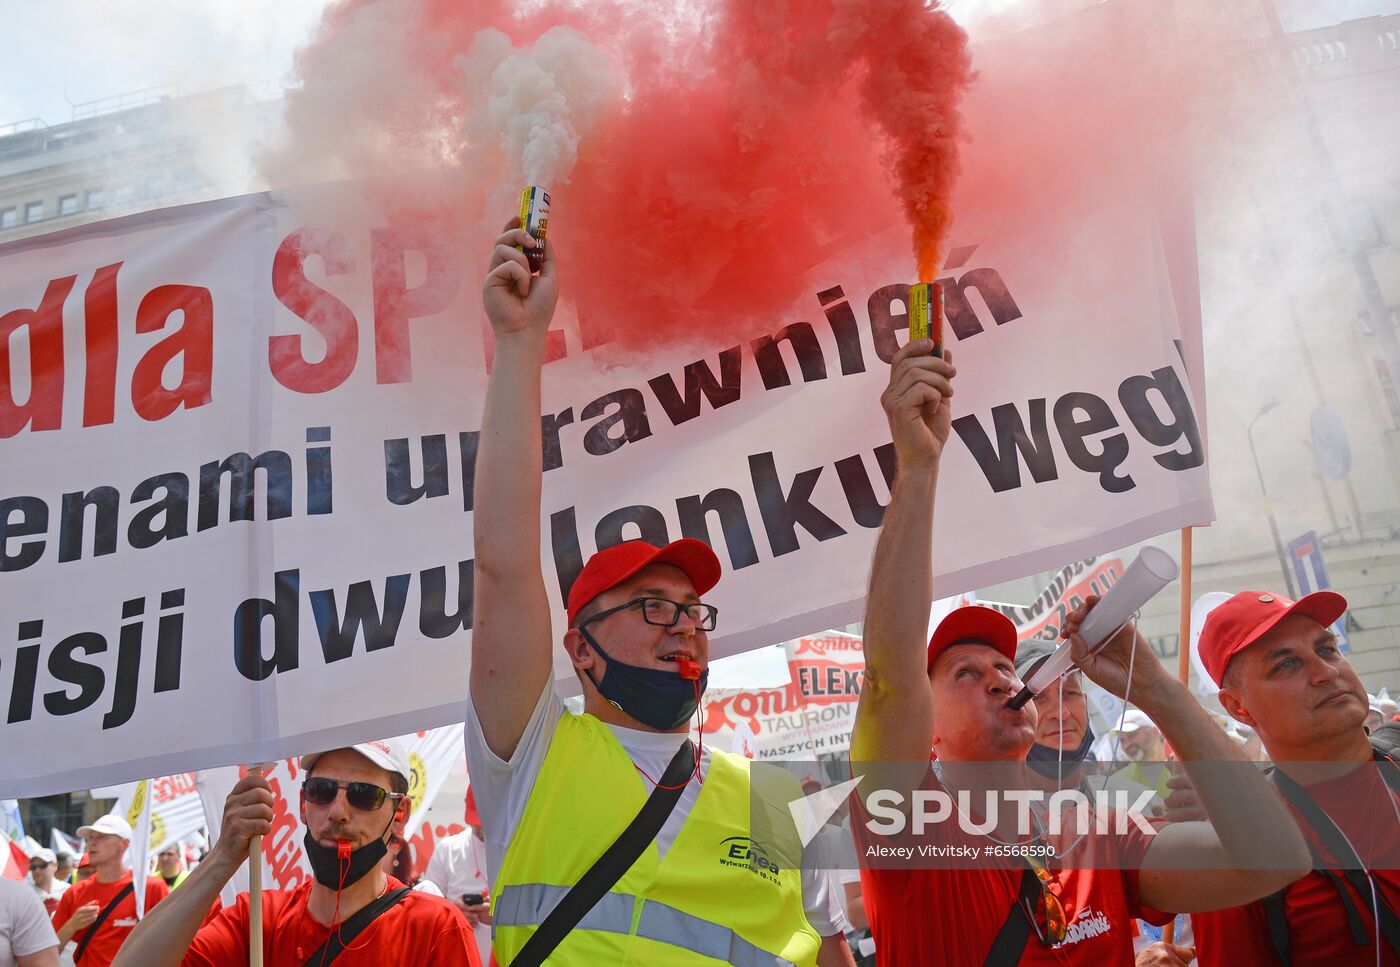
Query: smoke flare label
534 218
926 314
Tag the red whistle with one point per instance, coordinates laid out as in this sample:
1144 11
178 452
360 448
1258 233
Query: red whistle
342 849
690 670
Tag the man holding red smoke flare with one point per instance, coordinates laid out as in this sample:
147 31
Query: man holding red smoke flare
951 697
351 801
610 837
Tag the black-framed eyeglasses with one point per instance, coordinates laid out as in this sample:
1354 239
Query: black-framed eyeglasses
320 791
1048 917
666 613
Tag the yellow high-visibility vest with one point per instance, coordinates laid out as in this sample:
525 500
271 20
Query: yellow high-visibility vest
721 894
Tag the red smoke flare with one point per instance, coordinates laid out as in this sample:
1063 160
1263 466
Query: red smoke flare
747 150
917 67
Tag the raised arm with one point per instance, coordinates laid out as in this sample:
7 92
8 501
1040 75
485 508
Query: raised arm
895 717
511 634
167 930
1251 846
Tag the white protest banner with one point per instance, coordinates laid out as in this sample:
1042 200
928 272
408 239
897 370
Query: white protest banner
139 849
237 444
1045 616
174 809
238 556
11 823
432 754
60 842
812 714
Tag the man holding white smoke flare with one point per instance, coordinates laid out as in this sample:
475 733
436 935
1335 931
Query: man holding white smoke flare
559 793
951 697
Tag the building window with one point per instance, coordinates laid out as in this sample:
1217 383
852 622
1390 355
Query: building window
94 198
33 211
9 218
67 204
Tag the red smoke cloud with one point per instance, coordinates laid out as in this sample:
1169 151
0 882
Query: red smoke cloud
917 67
747 148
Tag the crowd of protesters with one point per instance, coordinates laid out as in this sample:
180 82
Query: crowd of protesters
609 837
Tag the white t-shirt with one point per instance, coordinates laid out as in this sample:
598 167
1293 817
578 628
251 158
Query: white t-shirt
502 789
458 867
55 891
24 926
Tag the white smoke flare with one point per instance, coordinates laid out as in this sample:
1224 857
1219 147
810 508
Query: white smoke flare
535 103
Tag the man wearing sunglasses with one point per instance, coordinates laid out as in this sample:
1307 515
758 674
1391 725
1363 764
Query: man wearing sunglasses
555 790
951 696
41 874
350 912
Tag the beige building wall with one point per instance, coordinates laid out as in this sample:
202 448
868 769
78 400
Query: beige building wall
1280 205
130 153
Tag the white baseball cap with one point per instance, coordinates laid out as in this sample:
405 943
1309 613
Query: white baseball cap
1135 719
44 854
388 754
111 824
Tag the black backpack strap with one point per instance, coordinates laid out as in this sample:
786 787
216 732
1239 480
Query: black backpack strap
122 894
1010 943
1350 863
1385 760
1278 927
1359 936
352 928
616 860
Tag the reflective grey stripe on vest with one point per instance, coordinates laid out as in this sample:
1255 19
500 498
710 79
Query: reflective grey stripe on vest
526 905
680 929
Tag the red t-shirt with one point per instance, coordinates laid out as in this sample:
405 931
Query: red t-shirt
952 916
419 929
119 923
1361 805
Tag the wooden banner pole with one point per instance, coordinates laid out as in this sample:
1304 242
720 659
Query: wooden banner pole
255 898
1183 654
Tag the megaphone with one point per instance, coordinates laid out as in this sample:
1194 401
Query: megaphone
1153 570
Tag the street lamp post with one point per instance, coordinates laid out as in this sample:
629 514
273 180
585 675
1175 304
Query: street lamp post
1269 504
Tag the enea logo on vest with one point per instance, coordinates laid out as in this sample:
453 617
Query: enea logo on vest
746 853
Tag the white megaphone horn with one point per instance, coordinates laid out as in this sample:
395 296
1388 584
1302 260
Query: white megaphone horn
1153 570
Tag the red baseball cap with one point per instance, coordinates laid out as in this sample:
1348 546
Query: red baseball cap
973 625
609 568
1248 616
472 817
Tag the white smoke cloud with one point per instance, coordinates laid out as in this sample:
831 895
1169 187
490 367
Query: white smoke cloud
535 103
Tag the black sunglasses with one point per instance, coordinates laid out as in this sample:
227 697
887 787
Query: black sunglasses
666 613
320 791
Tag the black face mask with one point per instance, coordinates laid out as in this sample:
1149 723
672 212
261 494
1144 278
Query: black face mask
660 699
1053 763
336 868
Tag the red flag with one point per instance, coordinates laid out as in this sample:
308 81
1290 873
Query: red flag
16 862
